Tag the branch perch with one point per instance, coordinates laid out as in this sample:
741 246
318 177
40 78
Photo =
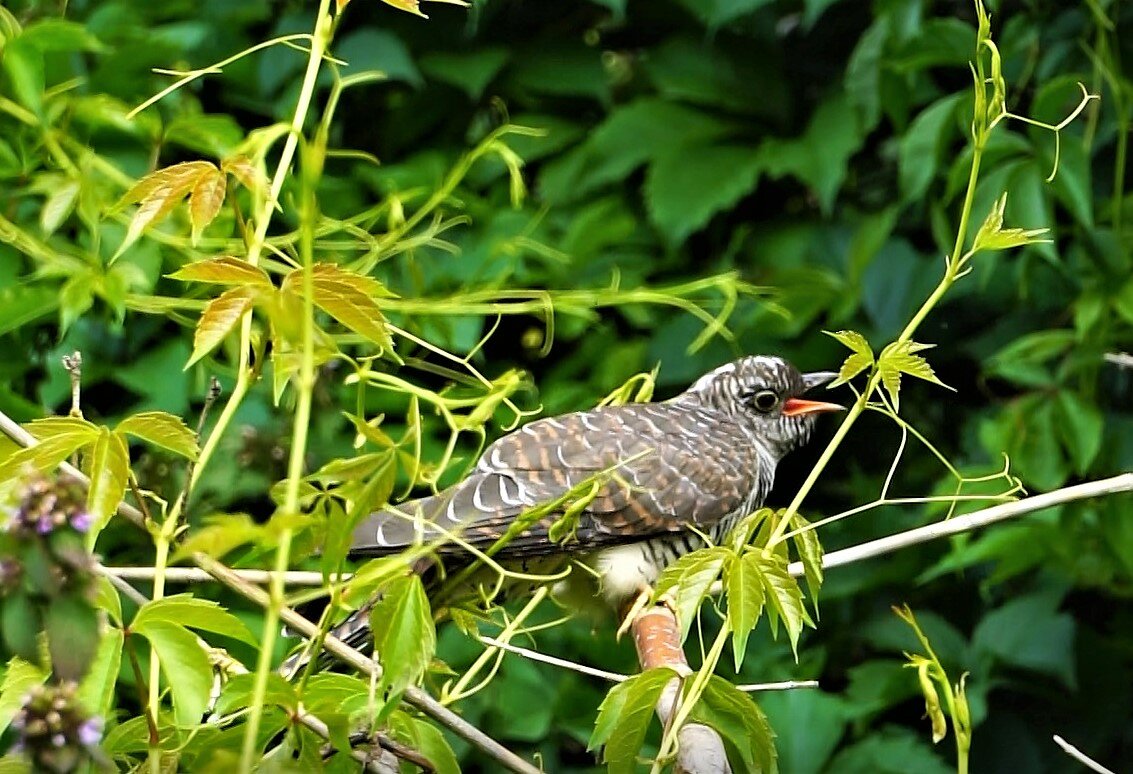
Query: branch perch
658 640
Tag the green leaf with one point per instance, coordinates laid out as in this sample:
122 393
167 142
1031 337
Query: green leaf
96 692
219 318
404 636
48 453
23 63
225 270
745 602
740 722
19 678
686 187
1080 428
58 206
237 694
222 533
688 579
470 71
624 717
923 144
348 297
783 594
109 469
992 235
900 358
1029 632
106 598
860 360
810 553
185 666
187 610
22 304
71 623
60 35
161 429
426 739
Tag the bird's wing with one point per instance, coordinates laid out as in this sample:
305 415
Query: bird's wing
658 468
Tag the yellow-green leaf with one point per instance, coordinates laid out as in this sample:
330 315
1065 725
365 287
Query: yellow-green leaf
161 429
205 200
993 236
58 206
47 454
158 193
783 595
745 602
109 470
225 270
860 360
404 636
810 553
900 358
347 297
96 691
248 175
187 610
624 717
219 318
409 6
688 580
185 666
221 534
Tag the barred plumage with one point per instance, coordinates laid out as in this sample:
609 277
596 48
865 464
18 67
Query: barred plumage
694 464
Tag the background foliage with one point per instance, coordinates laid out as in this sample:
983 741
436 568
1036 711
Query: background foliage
815 149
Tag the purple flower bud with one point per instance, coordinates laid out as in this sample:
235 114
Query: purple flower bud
82 521
90 732
58 740
45 524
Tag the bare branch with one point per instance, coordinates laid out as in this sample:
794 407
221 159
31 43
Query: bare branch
658 639
1080 756
535 655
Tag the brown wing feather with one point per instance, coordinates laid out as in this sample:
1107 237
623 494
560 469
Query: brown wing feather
667 476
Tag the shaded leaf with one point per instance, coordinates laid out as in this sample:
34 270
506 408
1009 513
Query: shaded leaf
161 429
404 636
740 722
71 623
218 319
1080 429
783 595
237 693
96 692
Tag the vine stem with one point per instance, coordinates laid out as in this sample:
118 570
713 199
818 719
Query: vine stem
305 386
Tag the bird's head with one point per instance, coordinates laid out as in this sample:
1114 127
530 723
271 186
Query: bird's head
767 392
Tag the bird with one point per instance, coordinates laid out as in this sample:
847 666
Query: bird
659 479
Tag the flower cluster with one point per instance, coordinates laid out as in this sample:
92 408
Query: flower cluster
54 731
46 505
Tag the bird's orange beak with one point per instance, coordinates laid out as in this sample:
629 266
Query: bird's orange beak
796 406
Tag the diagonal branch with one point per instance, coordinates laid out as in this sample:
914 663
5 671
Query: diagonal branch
413 695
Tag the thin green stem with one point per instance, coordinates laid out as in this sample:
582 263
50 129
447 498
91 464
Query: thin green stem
305 385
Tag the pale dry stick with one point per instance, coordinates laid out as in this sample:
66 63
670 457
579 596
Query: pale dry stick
217 570
1081 757
658 639
233 666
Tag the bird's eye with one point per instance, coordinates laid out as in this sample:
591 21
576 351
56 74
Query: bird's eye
764 400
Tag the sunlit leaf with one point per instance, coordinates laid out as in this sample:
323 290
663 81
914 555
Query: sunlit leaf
158 193
624 718
225 270
218 319
187 610
745 602
810 553
404 636
992 235
247 173
18 680
220 534
96 691
109 469
347 297
688 579
783 595
161 429
409 6
860 360
900 358
205 200
47 454
185 666
58 206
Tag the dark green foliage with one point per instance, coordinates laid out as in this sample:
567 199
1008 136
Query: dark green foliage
818 149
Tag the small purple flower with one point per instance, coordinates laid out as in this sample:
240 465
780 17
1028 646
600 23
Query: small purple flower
82 521
90 732
58 740
45 524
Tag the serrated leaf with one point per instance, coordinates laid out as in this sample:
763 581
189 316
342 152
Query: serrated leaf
237 693
249 176
47 454
992 235
18 680
161 429
409 6
218 319
860 360
900 358
96 691
745 602
109 469
347 297
185 666
158 193
225 270
222 533
404 636
783 595
810 553
624 717
740 722
187 610
688 579
205 201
